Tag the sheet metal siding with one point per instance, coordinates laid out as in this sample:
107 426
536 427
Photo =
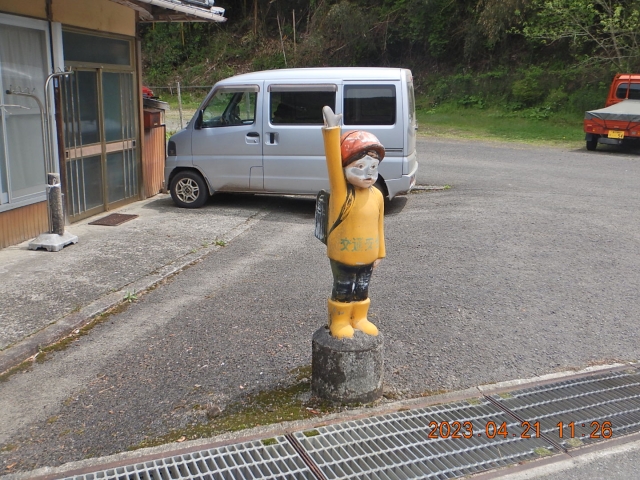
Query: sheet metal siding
32 8
153 159
98 15
23 223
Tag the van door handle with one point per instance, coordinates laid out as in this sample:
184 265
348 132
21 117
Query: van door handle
273 138
252 137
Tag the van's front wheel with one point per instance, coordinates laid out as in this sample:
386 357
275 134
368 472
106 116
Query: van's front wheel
189 190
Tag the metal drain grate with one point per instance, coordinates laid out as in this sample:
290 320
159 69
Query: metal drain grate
584 406
398 445
438 442
238 462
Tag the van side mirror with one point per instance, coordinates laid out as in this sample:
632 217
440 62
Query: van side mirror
198 124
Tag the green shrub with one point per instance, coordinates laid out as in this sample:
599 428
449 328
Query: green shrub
556 99
270 62
472 101
528 90
590 97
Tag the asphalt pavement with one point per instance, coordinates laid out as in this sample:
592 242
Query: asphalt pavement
527 265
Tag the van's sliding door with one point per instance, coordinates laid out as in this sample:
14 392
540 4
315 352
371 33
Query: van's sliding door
293 150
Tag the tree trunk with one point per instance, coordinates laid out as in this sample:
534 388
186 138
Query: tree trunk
255 18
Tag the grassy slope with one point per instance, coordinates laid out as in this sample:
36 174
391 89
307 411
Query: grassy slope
498 125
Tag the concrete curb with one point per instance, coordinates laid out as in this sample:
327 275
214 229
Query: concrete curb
65 326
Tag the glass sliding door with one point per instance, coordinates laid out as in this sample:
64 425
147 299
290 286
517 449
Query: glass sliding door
83 148
120 136
100 125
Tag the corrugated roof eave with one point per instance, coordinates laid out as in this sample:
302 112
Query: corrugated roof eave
177 6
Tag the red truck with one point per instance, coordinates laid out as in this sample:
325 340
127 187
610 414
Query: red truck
619 121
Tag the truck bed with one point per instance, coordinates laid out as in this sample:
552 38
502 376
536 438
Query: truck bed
625 111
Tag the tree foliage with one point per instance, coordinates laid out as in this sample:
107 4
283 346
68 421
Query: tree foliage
511 46
495 17
605 31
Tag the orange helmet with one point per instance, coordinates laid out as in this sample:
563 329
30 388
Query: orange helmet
355 145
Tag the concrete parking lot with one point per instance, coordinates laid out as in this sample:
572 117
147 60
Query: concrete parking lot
524 264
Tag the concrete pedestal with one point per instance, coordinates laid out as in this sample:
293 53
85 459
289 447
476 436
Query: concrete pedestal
348 370
56 239
52 242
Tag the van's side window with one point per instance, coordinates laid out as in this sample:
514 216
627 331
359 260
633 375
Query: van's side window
369 104
299 107
634 91
228 108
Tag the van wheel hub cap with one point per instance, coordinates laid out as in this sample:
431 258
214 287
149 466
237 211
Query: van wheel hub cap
187 190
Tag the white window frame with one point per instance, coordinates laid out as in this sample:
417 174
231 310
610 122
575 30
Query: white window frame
56 35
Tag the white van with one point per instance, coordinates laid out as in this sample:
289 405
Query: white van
260 132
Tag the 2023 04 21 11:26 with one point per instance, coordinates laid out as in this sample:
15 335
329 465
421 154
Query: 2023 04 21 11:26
526 429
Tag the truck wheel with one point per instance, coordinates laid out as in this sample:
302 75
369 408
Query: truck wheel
189 190
592 143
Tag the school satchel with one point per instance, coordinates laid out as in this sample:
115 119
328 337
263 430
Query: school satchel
323 231
322 215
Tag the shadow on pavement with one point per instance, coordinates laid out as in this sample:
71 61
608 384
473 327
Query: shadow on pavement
627 149
298 206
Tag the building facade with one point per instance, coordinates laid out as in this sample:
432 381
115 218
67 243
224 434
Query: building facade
86 125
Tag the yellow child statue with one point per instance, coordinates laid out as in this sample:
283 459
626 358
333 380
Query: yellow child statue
355 236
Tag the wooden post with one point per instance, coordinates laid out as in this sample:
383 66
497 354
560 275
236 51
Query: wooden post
281 41
180 106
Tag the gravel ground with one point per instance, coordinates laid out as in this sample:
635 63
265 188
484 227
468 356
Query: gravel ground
527 265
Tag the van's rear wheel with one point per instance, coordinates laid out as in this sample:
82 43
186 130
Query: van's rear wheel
592 143
189 190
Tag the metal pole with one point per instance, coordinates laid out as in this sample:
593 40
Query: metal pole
45 139
46 106
52 180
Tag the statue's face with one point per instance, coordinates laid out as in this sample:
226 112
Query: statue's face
363 172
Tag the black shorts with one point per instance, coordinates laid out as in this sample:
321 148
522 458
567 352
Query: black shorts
350 283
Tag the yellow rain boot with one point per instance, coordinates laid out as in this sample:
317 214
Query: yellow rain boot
359 319
340 319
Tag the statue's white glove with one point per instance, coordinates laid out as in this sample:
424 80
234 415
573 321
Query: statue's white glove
330 118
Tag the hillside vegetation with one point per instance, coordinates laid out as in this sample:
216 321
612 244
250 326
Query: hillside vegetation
530 59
